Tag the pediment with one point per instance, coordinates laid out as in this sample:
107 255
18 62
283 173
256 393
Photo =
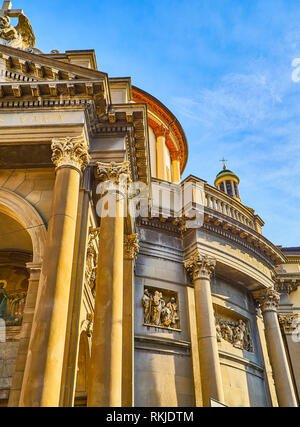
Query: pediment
23 66
34 80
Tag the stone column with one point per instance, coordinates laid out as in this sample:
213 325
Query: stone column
42 376
15 390
105 378
175 157
268 300
131 248
161 164
200 267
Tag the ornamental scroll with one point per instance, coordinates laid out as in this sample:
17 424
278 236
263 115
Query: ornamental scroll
160 308
236 332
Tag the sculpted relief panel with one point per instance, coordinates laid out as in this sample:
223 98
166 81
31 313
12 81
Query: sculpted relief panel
235 331
161 308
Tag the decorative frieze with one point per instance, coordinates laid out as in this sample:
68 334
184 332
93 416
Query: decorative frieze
161 308
288 322
236 332
131 246
268 299
200 266
70 151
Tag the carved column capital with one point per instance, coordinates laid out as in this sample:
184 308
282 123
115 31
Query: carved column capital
131 246
70 151
175 155
268 299
286 286
288 321
160 130
200 266
113 172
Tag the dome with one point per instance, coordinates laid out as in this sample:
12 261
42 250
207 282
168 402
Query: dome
227 181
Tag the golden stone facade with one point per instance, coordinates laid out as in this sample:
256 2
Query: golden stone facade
120 283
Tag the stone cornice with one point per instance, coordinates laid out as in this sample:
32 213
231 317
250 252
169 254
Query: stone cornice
248 237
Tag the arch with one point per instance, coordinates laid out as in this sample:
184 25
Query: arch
26 215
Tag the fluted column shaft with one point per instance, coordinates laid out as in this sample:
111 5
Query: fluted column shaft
200 268
268 300
105 379
42 376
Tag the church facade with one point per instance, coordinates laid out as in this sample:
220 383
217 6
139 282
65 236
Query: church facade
122 284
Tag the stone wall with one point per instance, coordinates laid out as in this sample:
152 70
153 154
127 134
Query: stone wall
163 367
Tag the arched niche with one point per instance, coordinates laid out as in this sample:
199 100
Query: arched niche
16 207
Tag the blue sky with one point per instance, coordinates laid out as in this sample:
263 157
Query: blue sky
222 66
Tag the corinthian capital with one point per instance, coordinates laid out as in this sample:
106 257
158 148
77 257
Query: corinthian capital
200 266
267 299
131 246
113 172
70 151
288 322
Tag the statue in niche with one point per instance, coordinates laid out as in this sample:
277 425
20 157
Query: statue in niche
174 310
227 332
166 314
156 308
146 301
218 332
160 310
239 334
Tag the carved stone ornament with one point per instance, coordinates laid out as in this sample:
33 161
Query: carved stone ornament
236 332
200 266
268 299
21 36
131 246
286 286
288 321
70 151
160 309
115 172
87 325
91 260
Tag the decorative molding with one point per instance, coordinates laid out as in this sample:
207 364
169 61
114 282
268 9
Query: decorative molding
288 322
70 151
200 266
268 299
131 246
